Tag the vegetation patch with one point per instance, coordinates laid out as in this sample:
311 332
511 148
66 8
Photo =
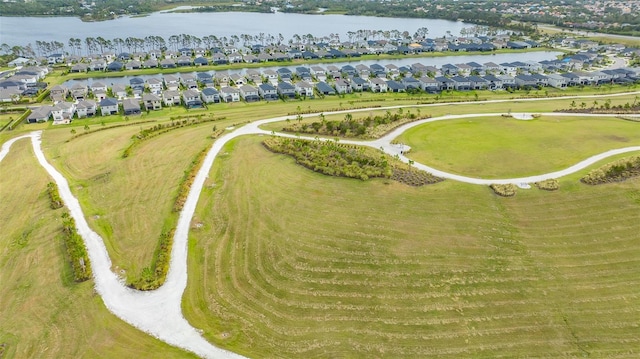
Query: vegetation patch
614 172
550 184
364 127
86 132
76 250
504 190
343 160
153 277
160 128
54 196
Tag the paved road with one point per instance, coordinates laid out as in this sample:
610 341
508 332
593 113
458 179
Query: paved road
159 312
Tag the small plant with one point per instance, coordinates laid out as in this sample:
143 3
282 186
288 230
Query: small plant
550 184
504 190
614 172
54 196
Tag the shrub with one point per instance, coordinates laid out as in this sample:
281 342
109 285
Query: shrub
76 250
54 196
614 172
153 277
548 184
504 190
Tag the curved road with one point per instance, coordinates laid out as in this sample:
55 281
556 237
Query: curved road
159 312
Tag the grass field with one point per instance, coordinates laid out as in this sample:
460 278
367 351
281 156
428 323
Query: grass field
499 147
43 313
127 201
291 263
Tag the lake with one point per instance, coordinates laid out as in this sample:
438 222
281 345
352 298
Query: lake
24 30
428 61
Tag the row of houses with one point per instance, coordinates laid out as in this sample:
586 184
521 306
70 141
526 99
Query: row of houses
64 111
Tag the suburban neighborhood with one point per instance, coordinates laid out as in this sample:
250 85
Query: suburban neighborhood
585 65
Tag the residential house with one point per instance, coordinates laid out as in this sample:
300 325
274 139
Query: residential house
286 90
149 64
109 106
507 81
79 91
325 88
167 63
557 81
304 89
210 95
191 99
237 79
377 84
268 92
494 83
155 85
171 97
445 83
119 91
249 93
171 82
229 94
62 113
342 86
359 84
40 114
477 83
152 101
395 86
86 108
131 106
221 78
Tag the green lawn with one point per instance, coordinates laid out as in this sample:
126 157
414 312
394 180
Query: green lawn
291 263
499 147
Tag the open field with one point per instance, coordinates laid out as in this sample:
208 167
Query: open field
499 147
127 201
43 313
292 263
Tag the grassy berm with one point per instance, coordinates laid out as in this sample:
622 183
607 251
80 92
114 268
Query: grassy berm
287 262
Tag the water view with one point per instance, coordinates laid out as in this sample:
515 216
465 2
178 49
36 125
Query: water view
427 61
25 30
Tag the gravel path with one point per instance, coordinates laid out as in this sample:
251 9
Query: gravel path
159 312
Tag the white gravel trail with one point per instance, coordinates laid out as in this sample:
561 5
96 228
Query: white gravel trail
159 312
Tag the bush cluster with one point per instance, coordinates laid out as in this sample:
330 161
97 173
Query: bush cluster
76 250
153 277
352 127
332 158
108 128
412 176
614 172
160 128
336 159
550 184
504 190
54 196
335 109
